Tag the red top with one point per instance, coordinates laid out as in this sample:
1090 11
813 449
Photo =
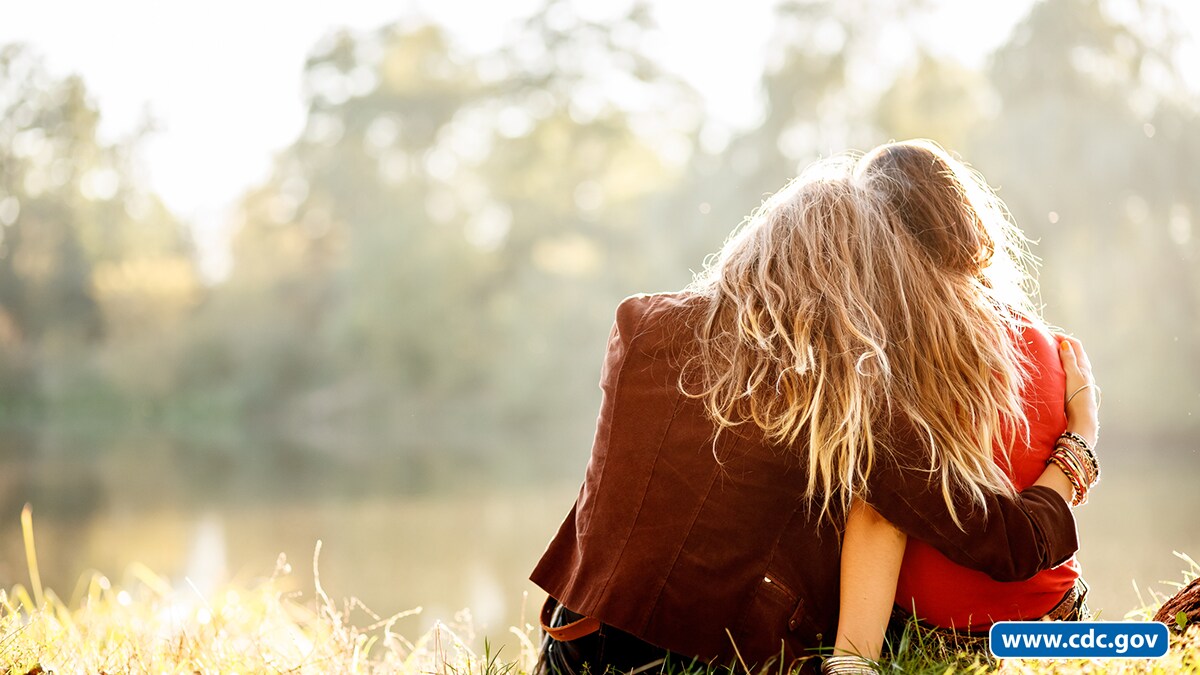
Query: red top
950 595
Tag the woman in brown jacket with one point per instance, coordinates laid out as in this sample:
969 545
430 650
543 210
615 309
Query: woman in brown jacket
740 417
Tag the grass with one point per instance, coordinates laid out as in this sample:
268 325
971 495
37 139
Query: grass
914 654
146 626
149 627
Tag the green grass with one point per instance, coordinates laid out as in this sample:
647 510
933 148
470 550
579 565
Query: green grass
913 655
146 626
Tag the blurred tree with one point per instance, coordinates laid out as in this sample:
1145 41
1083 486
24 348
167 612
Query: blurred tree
45 287
1093 144
936 98
348 243
590 136
827 64
452 235
436 258
87 257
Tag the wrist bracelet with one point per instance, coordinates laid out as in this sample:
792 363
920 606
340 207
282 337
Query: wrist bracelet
1081 448
1090 385
1077 461
1078 492
848 664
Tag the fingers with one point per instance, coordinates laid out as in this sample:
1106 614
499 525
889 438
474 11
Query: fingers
1074 358
1066 353
1077 347
1082 408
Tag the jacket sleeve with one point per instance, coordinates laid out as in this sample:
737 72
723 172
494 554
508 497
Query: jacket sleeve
1014 538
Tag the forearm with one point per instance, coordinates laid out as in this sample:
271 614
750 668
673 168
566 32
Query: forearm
1082 409
872 549
1054 478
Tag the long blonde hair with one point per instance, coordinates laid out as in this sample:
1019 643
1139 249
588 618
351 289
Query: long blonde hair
866 291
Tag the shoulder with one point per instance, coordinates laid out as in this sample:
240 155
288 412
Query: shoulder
1032 333
1038 340
658 313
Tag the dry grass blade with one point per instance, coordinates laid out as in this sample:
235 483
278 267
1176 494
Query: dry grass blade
35 577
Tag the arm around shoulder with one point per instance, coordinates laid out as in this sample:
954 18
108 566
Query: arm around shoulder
1009 537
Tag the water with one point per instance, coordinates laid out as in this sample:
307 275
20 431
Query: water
397 533
426 531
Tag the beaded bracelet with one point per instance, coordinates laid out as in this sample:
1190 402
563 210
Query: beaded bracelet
1087 459
1078 491
1083 446
1077 461
848 664
1078 472
1082 466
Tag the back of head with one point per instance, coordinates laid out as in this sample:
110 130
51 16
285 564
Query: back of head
958 369
949 209
862 292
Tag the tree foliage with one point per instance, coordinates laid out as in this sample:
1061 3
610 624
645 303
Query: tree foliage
88 258
435 259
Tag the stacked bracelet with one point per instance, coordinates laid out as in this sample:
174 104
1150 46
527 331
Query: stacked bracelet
1072 438
848 664
1076 459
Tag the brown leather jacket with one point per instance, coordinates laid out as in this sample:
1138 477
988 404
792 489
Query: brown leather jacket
687 553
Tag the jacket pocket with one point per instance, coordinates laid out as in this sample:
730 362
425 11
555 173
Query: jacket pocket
801 625
762 634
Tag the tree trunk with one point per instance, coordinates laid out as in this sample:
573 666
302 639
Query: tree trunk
1186 601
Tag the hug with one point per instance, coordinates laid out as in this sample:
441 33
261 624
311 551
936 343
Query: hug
854 417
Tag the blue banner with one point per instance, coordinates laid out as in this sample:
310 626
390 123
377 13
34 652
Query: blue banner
1071 639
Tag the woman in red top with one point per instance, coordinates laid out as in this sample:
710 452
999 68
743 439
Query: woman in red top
952 596
927 190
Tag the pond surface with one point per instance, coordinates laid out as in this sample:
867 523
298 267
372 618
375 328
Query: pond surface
397 533
432 532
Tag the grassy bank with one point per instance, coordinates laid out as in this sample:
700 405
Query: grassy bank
149 628
145 625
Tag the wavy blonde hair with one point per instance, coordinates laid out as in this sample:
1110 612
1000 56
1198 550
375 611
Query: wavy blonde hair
870 289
